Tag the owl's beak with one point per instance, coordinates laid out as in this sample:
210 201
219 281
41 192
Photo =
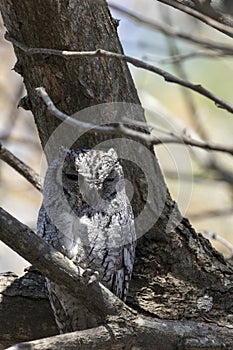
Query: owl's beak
92 197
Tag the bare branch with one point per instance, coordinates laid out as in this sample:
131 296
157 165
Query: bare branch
189 101
103 337
28 173
171 31
124 325
221 103
196 143
180 70
191 55
65 117
139 333
57 267
201 16
124 130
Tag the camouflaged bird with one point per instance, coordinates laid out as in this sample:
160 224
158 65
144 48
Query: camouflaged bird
87 216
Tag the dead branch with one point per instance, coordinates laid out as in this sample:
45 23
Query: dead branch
57 267
194 12
187 56
221 103
140 332
124 326
124 130
28 173
173 32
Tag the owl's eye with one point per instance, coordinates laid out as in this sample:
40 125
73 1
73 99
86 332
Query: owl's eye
109 179
72 177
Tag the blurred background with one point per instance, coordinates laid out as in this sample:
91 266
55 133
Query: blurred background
201 182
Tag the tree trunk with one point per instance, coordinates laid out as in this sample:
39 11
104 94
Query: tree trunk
177 274
25 311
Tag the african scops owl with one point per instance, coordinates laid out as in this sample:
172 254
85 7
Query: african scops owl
87 216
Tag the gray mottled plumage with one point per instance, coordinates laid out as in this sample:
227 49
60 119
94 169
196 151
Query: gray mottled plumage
86 215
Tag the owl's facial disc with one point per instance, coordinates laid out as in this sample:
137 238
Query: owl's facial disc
97 192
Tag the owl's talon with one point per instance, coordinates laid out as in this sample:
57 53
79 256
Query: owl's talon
90 276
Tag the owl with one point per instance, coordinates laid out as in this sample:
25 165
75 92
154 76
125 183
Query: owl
87 216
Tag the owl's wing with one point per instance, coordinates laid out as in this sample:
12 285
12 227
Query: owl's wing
47 230
62 239
122 274
41 222
57 298
119 252
65 307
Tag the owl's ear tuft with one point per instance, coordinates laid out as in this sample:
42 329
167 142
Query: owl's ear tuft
112 153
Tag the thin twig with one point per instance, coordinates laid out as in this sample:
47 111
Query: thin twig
210 146
136 62
28 173
180 71
124 130
202 17
219 238
190 55
188 98
195 118
170 31
65 117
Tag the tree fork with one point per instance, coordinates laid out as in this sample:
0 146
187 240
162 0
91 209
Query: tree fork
177 273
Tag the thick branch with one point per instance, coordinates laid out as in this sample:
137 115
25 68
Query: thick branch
173 265
128 329
57 267
141 333
103 337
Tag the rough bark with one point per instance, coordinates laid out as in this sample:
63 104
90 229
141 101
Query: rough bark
177 273
24 308
120 327
142 333
58 268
